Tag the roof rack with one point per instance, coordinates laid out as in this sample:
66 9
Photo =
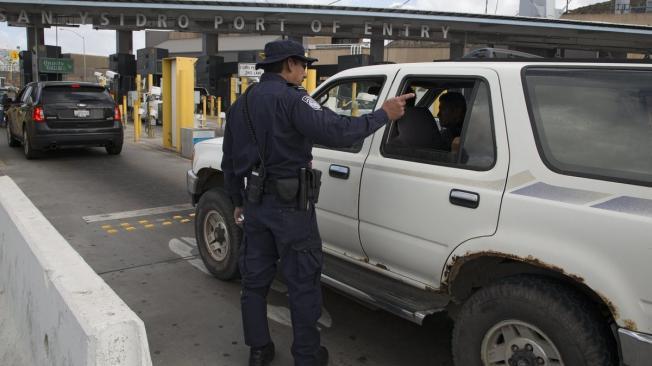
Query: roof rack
490 52
555 59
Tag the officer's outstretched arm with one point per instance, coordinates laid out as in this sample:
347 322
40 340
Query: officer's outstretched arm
326 127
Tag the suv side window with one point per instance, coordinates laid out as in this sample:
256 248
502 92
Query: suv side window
26 95
593 122
33 94
448 123
351 97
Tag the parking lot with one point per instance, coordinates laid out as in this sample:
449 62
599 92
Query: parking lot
129 217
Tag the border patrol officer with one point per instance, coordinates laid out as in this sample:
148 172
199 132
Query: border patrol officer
268 140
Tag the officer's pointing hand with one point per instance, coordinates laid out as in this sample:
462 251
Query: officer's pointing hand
395 107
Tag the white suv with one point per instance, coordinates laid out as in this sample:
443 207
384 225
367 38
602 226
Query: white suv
536 233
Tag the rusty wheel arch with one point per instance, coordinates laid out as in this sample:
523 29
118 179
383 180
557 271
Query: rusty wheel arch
467 273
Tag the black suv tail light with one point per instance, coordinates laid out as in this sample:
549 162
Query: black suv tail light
38 115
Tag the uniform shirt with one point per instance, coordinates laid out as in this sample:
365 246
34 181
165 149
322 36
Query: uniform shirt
287 122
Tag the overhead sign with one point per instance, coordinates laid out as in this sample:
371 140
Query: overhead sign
249 70
395 29
55 65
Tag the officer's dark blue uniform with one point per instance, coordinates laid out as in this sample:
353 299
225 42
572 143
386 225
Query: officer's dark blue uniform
287 122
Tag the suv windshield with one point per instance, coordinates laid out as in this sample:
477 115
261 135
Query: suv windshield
75 94
593 122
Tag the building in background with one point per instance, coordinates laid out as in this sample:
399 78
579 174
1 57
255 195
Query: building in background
538 9
634 12
93 64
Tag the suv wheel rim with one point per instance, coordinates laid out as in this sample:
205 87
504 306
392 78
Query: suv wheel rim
216 236
517 343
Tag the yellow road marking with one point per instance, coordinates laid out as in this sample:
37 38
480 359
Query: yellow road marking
177 217
149 226
112 231
166 223
130 228
125 224
106 227
191 215
143 222
185 220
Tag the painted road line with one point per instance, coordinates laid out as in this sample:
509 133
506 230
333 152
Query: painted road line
130 228
105 227
112 231
184 221
191 215
143 222
137 213
125 224
186 247
177 217
166 223
149 226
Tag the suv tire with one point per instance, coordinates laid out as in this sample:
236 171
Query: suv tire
27 146
515 310
114 149
218 237
11 140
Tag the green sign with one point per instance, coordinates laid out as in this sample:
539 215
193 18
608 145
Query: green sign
55 65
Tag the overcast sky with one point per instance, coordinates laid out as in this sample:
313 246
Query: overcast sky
102 42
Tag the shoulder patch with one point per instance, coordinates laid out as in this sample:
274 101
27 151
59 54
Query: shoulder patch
311 102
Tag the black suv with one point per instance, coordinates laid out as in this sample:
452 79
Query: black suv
47 115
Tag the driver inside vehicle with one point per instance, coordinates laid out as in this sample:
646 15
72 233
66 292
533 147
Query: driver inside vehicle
452 109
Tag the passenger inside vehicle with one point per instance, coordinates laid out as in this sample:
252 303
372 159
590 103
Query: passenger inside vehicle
452 110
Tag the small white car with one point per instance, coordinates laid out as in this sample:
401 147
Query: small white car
535 232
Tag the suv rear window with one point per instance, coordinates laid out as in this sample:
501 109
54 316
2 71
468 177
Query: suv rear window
593 122
77 94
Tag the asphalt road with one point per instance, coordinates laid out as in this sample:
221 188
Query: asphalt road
152 263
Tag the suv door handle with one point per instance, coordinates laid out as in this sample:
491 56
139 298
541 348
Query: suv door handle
464 198
339 171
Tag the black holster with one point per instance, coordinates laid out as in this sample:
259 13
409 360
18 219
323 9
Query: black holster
309 187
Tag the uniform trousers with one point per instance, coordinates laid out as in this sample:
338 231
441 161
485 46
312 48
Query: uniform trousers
278 234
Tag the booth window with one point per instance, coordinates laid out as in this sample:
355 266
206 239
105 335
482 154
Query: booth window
448 123
352 98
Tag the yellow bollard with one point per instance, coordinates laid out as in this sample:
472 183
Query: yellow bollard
137 125
354 102
234 85
244 84
203 115
150 82
125 117
311 81
219 112
212 104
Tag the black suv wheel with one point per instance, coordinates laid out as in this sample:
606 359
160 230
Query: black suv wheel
10 138
27 146
114 149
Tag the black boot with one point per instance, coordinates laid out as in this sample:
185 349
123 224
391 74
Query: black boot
261 356
322 356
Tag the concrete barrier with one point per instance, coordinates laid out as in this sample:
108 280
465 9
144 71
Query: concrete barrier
54 309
